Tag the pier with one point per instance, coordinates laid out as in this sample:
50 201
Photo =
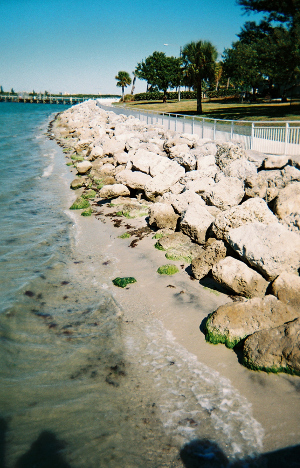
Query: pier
45 99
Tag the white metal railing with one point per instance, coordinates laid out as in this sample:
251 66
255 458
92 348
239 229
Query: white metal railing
274 137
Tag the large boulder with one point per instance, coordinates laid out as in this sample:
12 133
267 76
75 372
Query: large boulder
240 168
168 168
274 350
252 210
233 322
162 215
135 180
142 160
287 288
198 183
228 152
238 277
181 154
213 251
275 162
288 201
113 191
195 222
271 249
228 192
162 183
181 201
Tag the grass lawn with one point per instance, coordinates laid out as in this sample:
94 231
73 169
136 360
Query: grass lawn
225 109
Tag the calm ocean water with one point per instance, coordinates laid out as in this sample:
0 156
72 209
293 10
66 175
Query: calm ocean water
76 389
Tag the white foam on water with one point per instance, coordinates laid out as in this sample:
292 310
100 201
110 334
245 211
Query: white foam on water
194 399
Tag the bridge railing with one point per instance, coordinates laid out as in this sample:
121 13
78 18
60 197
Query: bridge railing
274 137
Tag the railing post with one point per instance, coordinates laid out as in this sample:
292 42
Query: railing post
286 140
175 122
231 130
183 127
193 123
215 123
252 135
169 120
202 127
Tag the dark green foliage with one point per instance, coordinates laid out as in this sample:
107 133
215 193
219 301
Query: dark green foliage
199 62
123 80
123 282
157 96
160 71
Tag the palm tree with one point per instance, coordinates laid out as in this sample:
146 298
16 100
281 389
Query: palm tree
123 81
199 59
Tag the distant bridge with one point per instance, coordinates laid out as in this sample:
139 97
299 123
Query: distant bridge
45 99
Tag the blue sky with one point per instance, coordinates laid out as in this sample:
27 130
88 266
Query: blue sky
78 46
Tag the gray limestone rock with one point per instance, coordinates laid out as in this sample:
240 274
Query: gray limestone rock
214 250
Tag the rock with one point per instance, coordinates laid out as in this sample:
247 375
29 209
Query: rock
287 288
238 277
78 183
271 249
225 194
201 185
121 158
288 201
275 162
195 222
181 201
213 251
206 165
83 167
168 168
96 152
274 350
181 154
111 147
228 152
240 168
256 186
107 170
162 183
290 174
162 215
142 160
233 322
135 180
178 246
252 210
113 191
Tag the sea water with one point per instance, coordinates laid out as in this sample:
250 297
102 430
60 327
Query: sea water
79 388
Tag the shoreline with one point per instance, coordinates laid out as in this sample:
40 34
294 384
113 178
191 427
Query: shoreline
181 305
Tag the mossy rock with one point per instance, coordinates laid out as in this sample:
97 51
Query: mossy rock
270 370
87 212
168 269
80 204
69 164
158 235
123 282
215 337
158 246
178 258
89 194
76 157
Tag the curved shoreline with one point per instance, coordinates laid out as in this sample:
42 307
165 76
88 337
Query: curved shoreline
172 305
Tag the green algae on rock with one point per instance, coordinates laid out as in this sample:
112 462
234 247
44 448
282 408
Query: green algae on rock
89 194
168 269
87 212
80 204
125 235
123 282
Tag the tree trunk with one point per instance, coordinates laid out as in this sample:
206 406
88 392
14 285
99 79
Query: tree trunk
199 98
133 85
123 93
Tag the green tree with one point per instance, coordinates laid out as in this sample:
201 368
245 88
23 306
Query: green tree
123 80
160 71
199 62
286 12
